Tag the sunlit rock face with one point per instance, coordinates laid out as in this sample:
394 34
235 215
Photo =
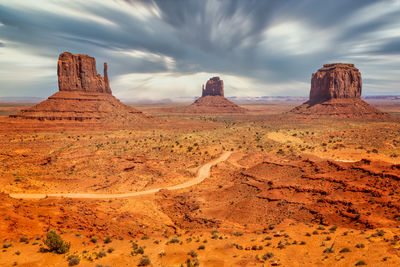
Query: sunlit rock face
78 73
337 80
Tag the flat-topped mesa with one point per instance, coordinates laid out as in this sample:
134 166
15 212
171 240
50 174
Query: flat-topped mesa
214 86
337 80
336 93
78 73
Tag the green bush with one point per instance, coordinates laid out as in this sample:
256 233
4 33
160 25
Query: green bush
55 243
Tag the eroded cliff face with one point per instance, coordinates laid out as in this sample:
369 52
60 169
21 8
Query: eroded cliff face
337 80
214 87
78 73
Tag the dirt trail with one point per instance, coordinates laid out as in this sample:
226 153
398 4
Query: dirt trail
202 174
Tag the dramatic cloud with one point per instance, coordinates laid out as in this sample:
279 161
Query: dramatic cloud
160 49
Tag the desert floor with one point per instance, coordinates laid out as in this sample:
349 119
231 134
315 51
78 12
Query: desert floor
256 189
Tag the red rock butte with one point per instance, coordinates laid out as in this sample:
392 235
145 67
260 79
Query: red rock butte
214 87
212 100
336 92
83 95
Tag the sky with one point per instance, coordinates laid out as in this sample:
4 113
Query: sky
168 48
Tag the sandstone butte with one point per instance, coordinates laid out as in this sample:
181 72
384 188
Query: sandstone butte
212 100
336 92
84 95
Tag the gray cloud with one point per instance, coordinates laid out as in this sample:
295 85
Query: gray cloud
266 43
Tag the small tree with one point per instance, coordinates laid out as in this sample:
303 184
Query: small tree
55 243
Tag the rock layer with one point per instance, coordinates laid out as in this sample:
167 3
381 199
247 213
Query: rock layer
83 95
214 87
336 92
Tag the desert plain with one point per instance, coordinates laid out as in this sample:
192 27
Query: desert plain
276 190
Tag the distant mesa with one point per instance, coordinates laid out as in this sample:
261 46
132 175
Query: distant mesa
212 100
83 95
336 92
214 87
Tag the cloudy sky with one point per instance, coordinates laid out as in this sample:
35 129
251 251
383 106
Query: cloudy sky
168 48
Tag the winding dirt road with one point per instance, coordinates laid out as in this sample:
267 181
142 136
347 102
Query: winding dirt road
202 174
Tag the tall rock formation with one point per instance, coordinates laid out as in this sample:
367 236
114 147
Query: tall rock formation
336 92
336 80
212 100
214 87
78 73
83 95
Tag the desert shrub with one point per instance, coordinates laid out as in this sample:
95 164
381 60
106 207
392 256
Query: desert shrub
329 250
333 229
101 254
360 246
380 232
136 249
23 240
201 247
144 261
173 240
55 243
192 253
107 240
237 234
268 255
189 263
93 239
343 250
7 245
73 260
110 250
359 263
18 252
